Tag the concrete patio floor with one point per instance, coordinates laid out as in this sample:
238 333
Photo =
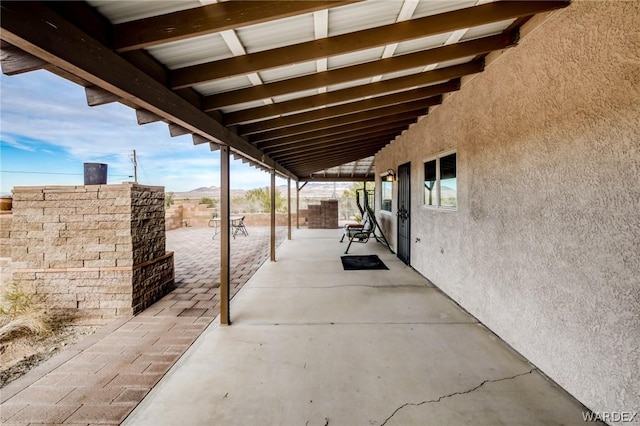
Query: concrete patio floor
312 344
100 379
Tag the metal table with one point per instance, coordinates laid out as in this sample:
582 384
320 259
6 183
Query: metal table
236 223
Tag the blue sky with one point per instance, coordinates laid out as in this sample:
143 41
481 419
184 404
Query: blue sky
47 132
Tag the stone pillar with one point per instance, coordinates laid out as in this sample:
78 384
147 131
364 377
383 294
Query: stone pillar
94 251
323 216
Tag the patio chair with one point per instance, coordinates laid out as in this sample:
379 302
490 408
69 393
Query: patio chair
239 228
359 233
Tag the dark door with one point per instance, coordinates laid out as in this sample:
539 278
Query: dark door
404 209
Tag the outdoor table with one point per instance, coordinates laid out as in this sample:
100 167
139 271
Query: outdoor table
236 223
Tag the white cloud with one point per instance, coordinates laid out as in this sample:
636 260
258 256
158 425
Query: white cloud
43 107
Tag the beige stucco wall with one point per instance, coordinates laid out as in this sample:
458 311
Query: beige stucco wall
545 246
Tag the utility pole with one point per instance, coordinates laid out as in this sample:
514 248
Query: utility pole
135 167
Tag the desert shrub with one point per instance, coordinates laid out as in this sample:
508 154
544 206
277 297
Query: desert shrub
208 201
22 313
169 199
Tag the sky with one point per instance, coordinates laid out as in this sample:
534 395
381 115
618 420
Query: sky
47 133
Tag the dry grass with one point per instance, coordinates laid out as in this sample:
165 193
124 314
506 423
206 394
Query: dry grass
22 313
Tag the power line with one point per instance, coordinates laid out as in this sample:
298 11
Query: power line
53 173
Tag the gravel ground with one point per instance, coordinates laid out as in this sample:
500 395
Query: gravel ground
18 356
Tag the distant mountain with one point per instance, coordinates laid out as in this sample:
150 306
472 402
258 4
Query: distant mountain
312 189
206 189
206 192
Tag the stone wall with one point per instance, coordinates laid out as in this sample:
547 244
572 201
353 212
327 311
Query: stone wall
94 251
191 213
324 215
5 233
543 247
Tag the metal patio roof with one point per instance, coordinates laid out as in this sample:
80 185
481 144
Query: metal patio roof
312 89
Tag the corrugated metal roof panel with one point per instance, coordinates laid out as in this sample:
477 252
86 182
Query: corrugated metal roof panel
362 167
291 71
124 11
296 95
402 73
277 33
224 85
355 57
348 84
359 16
293 30
455 62
421 44
487 30
238 107
193 51
427 8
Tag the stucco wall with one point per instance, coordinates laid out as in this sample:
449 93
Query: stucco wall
544 247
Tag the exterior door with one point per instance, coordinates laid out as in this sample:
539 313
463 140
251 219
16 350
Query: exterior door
404 209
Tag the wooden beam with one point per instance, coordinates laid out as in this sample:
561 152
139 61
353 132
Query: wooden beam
308 168
410 115
330 178
16 61
272 204
225 243
213 18
360 40
329 145
343 157
351 108
383 129
365 70
175 130
98 96
297 204
197 140
369 169
358 92
145 117
313 170
332 149
327 161
348 119
288 208
36 29
355 167
358 136
89 20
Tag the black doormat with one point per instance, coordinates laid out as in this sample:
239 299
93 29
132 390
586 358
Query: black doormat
355 263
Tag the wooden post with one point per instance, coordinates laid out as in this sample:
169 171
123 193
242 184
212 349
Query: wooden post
365 201
225 247
273 216
297 204
289 208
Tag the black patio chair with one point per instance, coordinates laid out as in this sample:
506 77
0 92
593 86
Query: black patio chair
359 233
239 228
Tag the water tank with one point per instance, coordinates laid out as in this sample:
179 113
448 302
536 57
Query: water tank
95 174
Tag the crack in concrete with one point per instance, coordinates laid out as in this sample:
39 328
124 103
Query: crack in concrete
357 323
417 404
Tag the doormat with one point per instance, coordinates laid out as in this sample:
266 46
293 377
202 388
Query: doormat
356 263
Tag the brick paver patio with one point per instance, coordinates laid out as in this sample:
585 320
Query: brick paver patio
101 379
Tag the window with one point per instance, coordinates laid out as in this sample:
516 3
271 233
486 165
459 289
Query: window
440 182
387 188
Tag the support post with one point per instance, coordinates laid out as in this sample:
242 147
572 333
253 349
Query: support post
366 198
297 204
273 216
289 208
225 247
